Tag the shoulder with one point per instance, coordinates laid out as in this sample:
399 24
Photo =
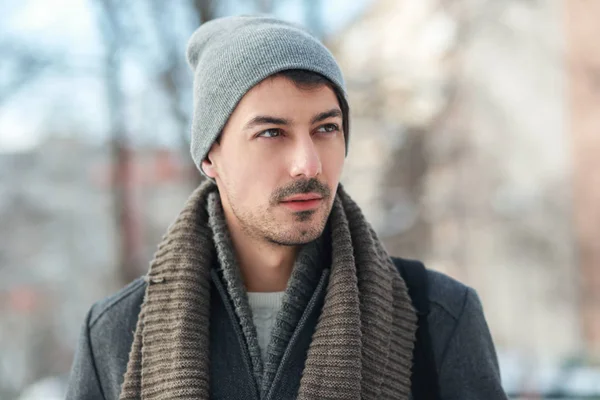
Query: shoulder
444 294
111 326
461 342
449 295
453 303
450 304
125 301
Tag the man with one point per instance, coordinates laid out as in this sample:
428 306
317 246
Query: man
270 284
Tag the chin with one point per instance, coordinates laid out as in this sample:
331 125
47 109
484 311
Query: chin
291 241
299 235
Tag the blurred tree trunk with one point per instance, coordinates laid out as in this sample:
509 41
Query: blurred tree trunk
128 232
174 78
205 10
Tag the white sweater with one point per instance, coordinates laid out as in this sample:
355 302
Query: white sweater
265 307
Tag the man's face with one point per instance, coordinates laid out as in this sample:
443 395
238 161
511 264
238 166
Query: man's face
279 161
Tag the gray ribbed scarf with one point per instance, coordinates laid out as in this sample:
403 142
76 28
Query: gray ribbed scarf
363 342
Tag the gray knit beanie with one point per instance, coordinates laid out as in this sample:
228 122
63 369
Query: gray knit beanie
231 55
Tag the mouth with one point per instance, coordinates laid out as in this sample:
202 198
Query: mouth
303 202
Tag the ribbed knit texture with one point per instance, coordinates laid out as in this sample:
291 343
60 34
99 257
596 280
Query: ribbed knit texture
304 279
264 307
362 345
270 301
231 55
233 281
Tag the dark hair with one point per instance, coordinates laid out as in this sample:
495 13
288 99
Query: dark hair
305 79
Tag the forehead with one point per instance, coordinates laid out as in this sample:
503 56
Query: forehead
280 94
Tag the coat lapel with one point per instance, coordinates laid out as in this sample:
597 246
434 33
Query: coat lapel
287 379
231 370
230 365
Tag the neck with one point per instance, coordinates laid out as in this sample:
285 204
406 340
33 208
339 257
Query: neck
264 266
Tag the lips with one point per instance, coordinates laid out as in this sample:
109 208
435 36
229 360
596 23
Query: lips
303 197
303 202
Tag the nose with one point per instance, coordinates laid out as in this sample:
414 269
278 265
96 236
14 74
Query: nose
306 160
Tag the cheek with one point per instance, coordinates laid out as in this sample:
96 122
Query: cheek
247 179
333 164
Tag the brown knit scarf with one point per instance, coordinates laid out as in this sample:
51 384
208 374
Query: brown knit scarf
363 342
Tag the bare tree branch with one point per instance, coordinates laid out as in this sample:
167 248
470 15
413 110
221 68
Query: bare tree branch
25 64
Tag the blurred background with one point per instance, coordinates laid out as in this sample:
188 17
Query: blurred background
475 148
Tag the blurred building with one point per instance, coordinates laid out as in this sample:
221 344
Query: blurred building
583 57
461 155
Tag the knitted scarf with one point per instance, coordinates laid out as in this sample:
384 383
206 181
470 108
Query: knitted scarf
363 342
307 273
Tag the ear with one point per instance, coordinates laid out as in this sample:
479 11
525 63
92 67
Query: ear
209 168
208 165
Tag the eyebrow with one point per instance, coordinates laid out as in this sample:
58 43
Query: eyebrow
266 120
269 120
334 112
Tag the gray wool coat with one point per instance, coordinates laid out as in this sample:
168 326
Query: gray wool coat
463 350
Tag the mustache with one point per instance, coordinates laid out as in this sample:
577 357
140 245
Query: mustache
300 187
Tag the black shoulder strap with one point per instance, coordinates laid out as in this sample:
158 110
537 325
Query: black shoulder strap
424 379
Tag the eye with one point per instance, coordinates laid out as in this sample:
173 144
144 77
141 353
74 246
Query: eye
328 128
270 133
